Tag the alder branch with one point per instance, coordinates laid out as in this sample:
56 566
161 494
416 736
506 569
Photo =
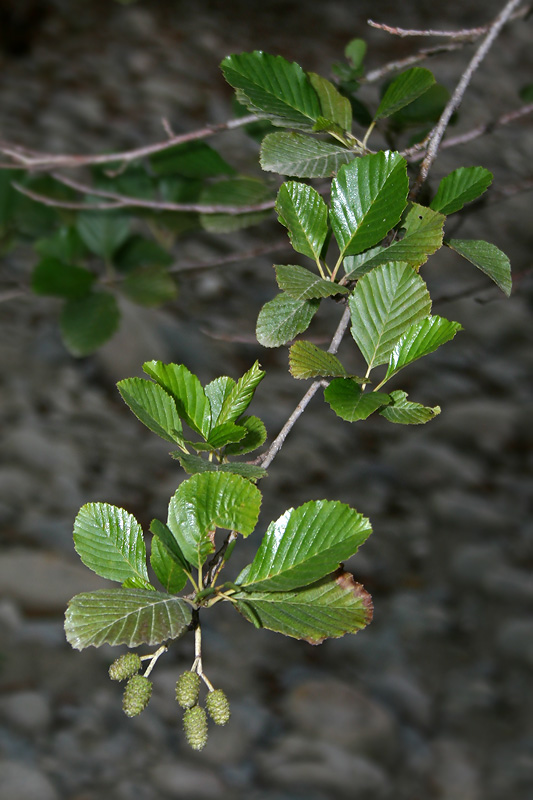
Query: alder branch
401 63
33 160
266 458
124 201
465 33
459 92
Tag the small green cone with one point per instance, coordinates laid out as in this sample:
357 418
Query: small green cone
187 689
195 727
218 706
136 695
124 667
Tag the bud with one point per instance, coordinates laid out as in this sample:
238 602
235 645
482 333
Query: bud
187 689
195 727
218 706
136 695
124 667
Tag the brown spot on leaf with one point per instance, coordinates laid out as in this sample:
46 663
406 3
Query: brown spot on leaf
346 581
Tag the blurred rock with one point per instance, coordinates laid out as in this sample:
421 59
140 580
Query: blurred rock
21 781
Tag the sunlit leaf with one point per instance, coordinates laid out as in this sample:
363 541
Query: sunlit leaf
283 318
241 394
302 284
302 156
333 105
168 571
404 412
153 406
303 212
486 257
350 403
194 464
187 391
403 90
460 187
306 360
419 340
255 436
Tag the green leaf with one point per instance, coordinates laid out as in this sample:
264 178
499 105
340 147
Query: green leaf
403 412
425 110
329 608
8 196
195 464
224 434
165 535
301 284
403 90
419 340
384 304
273 87
526 93
350 403
149 286
110 541
208 501
234 192
283 318
304 545
460 187
86 324
355 52
190 160
301 156
103 231
125 616
368 197
167 570
217 392
359 265
303 212
255 436
58 279
422 237
333 105
140 252
187 391
241 394
486 257
306 360
153 406
65 245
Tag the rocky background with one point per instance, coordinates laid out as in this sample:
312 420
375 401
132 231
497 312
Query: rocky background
433 701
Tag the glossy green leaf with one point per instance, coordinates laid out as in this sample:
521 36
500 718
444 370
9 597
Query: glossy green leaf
138 251
103 231
58 279
153 406
168 571
273 87
306 360
217 392
255 436
304 545
368 197
86 324
302 156
384 303
424 111
150 286
460 187
486 257
419 340
359 265
125 616
195 464
333 105
403 412
187 391
302 284
166 537
241 394
194 159
110 541
350 403
305 215
403 90
235 192
329 608
225 433
283 318
422 236
208 501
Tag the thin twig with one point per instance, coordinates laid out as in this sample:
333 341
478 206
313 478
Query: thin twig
401 63
243 255
266 459
417 152
465 33
31 159
124 201
458 94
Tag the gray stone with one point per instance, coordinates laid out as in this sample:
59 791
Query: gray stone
515 640
401 692
182 779
28 711
454 774
421 463
21 781
482 567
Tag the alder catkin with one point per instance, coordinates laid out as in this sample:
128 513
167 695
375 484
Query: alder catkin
195 727
124 667
136 695
218 706
187 689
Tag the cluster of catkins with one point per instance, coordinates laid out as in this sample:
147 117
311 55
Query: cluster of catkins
139 689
